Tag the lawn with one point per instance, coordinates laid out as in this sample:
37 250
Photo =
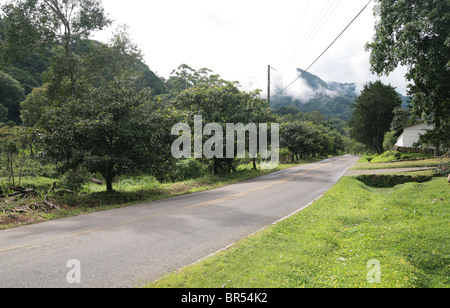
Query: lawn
390 156
430 162
335 243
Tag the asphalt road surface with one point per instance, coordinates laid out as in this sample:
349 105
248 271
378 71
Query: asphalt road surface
129 246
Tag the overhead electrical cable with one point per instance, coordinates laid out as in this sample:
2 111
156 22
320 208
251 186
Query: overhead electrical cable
296 30
278 93
312 29
314 34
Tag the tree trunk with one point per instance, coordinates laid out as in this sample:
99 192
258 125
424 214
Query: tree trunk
109 187
109 176
12 169
216 166
436 150
230 165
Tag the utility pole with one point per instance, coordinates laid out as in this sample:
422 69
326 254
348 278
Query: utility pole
268 87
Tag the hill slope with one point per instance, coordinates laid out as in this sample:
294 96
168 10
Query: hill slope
331 99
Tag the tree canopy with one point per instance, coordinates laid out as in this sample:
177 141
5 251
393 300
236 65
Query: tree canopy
416 34
373 114
11 95
110 129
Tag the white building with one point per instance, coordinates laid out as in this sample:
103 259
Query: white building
411 134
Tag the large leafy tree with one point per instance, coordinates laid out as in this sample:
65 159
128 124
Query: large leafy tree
33 107
113 129
222 102
40 25
33 25
373 114
11 94
298 137
304 138
416 34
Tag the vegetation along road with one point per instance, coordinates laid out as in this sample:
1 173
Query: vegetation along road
129 246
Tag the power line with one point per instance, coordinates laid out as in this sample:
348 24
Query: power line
325 49
296 30
317 24
312 35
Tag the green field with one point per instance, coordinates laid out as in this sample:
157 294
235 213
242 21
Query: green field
330 244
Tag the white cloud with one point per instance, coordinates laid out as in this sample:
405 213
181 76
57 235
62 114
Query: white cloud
238 39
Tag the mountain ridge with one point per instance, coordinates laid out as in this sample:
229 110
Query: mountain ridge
332 99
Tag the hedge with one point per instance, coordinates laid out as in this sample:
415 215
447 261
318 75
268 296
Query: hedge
388 181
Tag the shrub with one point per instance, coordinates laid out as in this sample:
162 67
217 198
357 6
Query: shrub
411 150
442 170
188 169
389 141
74 179
388 181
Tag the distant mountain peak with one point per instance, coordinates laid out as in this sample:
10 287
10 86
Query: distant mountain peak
316 83
332 99
313 81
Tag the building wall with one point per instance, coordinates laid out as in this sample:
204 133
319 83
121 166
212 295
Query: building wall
411 134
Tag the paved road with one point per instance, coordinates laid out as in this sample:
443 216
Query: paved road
129 246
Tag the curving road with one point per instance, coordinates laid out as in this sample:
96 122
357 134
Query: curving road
129 246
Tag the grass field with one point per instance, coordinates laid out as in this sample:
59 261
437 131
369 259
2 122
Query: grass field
405 230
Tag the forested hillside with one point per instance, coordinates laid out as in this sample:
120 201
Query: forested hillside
332 99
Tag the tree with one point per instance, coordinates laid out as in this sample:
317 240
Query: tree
223 102
402 118
36 25
3 114
416 34
33 25
373 114
298 137
110 129
33 107
11 94
185 77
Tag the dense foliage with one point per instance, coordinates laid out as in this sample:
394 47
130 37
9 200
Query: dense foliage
79 106
373 114
416 34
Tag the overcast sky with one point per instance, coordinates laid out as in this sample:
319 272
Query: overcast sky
239 39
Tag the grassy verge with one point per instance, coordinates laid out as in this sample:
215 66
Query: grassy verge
390 156
16 212
432 162
329 244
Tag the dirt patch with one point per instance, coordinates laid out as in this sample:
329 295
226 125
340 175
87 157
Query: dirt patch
14 219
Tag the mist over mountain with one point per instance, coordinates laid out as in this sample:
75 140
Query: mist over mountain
310 92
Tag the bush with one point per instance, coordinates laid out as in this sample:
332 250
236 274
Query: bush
442 170
389 181
389 141
188 169
76 178
411 150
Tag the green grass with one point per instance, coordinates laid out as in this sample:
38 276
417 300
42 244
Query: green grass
431 162
38 183
329 244
389 156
